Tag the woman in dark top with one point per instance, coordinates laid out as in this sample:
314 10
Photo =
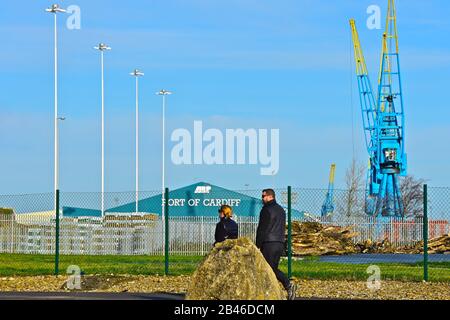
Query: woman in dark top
226 228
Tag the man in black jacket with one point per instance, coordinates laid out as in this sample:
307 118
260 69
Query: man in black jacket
270 237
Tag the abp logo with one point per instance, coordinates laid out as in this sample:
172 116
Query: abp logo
202 189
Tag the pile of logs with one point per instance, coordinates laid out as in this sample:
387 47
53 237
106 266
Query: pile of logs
439 245
369 246
315 239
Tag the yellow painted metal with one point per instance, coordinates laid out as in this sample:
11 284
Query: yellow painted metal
390 35
332 170
361 67
391 24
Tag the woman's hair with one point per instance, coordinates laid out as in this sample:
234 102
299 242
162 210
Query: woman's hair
226 210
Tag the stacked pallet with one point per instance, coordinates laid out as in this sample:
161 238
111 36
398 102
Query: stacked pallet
314 239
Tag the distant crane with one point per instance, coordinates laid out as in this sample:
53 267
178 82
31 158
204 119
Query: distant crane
328 204
384 122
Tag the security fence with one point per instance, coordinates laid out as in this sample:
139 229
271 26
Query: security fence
146 237
140 235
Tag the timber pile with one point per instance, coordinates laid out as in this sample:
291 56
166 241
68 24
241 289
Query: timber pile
439 245
314 239
369 246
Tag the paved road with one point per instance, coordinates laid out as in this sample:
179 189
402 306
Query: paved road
87 296
384 258
101 296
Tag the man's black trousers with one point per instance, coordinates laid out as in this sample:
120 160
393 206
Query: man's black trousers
272 251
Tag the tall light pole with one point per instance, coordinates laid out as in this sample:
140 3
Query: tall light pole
55 9
273 178
163 93
136 73
102 47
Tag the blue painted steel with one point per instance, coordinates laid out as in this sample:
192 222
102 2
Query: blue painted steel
384 126
388 161
328 204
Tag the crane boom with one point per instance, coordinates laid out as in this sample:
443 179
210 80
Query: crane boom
328 205
384 122
367 99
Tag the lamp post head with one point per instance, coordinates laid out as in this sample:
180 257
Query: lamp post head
137 73
102 47
163 92
55 8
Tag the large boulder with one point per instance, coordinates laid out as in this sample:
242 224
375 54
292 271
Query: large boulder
235 270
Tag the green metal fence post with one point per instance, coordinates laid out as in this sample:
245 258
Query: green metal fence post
425 232
166 233
57 232
289 237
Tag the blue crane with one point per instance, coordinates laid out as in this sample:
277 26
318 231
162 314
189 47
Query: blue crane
384 123
328 204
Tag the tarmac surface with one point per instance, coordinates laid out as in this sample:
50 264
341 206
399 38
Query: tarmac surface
103 296
88 296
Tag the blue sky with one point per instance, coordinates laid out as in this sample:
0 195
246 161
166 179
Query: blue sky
232 64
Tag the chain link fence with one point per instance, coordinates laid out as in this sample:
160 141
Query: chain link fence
141 237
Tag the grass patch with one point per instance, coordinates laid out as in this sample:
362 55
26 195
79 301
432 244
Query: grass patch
31 264
310 268
439 272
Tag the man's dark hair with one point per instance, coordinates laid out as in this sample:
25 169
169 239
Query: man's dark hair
269 192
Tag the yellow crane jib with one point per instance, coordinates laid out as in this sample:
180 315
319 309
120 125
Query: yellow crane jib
361 67
328 204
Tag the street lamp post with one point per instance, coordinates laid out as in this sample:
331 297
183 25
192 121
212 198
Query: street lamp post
163 93
102 47
55 9
136 73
